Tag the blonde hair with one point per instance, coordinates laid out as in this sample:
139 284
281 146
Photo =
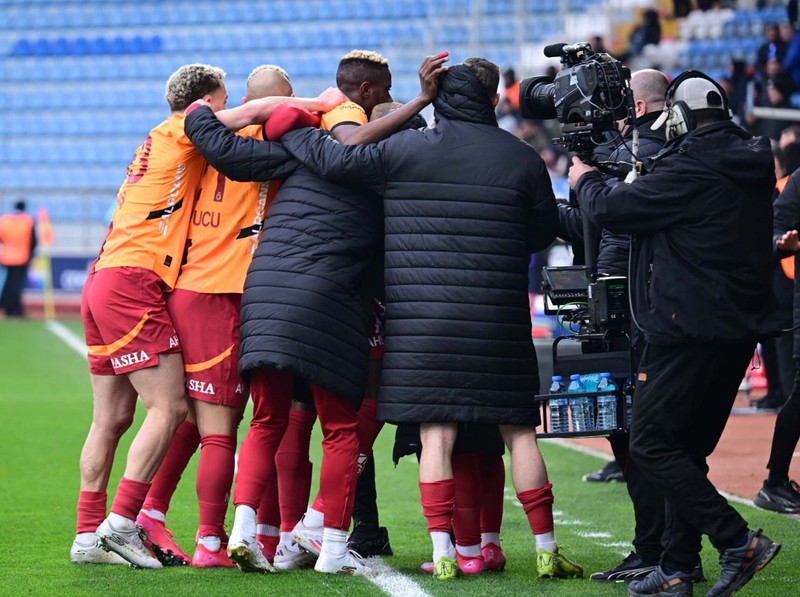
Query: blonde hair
190 83
365 56
358 66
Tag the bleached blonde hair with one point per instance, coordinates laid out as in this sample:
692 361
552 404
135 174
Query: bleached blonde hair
190 83
358 66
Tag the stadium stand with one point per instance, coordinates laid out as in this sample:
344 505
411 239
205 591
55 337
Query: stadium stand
87 78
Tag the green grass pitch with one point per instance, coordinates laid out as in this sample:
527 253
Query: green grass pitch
45 410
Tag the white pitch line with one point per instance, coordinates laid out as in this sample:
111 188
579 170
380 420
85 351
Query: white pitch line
69 338
392 582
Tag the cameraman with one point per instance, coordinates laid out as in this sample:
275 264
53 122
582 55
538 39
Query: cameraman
649 87
701 222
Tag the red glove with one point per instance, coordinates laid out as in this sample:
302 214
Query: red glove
287 118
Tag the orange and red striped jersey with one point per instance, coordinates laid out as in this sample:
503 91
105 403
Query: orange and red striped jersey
225 229
149 225
345 113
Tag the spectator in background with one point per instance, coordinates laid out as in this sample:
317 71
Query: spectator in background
789 135
774 48
647 32
599 45
17 244
774 92
511 85
507 116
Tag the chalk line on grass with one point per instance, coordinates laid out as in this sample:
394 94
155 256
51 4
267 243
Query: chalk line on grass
68 337
392 582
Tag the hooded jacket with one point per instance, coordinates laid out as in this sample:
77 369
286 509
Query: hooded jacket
702 226
307 295
465 205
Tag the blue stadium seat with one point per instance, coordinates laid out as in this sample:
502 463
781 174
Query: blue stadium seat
23 47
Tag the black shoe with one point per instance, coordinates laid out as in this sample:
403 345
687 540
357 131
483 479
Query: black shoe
739 564
633 567
368 540
784 498
659 583
610 472
697 574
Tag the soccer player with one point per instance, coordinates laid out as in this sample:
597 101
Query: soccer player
223 234
302 318
133 347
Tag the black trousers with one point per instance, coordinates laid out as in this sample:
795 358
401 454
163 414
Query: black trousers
684 396
648 503
787 431
11 297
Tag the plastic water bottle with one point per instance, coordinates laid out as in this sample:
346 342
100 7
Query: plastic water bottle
606 405
580 406
559 415
627 391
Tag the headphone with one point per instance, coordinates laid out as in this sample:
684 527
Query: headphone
677 115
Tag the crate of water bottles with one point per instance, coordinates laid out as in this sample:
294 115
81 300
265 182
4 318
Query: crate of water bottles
587 404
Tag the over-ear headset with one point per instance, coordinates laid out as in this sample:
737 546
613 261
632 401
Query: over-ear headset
704 94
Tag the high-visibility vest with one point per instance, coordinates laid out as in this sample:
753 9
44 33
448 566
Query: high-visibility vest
16 236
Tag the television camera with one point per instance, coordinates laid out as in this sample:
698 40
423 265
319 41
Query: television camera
587 97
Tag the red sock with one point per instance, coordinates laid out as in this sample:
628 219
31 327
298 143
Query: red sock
538 506
180 451
294 468
493 484
269 511
214 478
130 497
467 511
438 502
91 510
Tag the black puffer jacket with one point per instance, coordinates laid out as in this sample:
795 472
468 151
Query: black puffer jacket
306 297
466 203
787 217
702 226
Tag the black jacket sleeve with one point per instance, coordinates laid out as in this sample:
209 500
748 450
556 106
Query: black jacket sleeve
648 204
542 213
354 165
238 158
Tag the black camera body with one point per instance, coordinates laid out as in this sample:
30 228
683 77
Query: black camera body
595 305
587 97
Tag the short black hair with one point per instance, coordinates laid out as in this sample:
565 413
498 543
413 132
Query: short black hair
487 72
359 66
709 116
20 205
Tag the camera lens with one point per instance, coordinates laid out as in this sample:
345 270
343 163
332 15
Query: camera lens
537 98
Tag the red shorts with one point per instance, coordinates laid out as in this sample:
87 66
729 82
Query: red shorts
125 320
376 331
208 326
